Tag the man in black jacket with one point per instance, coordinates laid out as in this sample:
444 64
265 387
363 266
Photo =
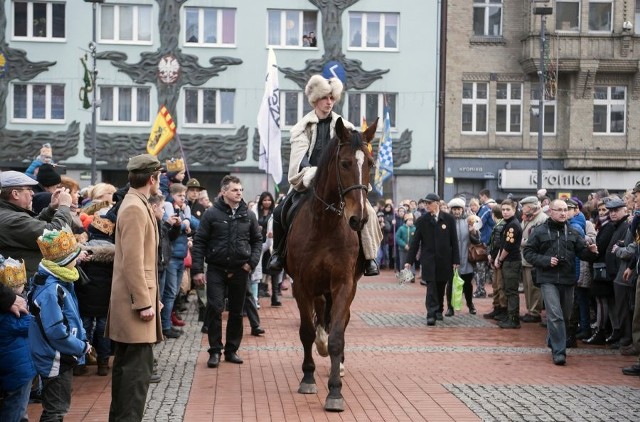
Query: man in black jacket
437 240
552 250
230 240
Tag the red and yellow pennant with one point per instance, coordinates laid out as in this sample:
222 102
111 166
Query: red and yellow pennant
162 132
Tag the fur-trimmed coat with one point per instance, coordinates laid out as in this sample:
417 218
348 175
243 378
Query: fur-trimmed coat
303 139
93 295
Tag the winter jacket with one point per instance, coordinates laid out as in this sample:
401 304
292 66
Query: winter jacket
404 235
16 365
168 233
21 228
617 238
485 215
226 240
56 336
562 241
465 237
527 228
179 245
625 255
93 296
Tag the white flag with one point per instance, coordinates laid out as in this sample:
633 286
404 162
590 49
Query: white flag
269 122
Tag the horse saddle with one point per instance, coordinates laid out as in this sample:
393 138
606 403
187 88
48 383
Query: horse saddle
290 206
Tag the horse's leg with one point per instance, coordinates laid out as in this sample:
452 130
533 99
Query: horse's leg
307 336
322 305
339 317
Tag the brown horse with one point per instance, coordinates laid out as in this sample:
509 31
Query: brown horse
324 257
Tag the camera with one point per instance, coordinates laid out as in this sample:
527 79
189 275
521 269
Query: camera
561 258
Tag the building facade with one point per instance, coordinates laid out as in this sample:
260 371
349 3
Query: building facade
591 136
205 61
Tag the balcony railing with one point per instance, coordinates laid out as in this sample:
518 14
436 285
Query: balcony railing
615 52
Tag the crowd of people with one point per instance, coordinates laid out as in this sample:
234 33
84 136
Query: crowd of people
107 269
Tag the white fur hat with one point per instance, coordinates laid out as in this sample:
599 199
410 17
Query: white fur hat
319 87
456 203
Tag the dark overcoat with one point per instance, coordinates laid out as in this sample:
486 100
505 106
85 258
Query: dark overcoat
437 242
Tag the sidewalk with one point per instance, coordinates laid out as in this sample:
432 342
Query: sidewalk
397 369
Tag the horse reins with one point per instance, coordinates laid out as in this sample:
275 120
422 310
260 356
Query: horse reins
341 192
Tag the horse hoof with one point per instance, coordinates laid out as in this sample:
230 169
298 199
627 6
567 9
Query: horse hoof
334 405
307 388
342 370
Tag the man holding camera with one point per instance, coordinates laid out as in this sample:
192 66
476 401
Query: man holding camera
552 250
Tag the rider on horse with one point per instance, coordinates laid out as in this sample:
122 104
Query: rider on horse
308 139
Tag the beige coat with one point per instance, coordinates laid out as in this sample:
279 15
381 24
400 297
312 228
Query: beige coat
303 139
135 273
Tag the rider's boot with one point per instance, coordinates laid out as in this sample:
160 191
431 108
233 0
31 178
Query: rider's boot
371 268
276 263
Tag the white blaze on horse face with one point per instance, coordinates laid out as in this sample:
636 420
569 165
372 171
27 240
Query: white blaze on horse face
360 161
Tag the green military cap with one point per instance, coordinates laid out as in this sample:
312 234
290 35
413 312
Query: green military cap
143 163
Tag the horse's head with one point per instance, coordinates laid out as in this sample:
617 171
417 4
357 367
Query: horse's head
344 172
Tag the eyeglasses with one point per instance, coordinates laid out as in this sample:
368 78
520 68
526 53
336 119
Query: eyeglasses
560 210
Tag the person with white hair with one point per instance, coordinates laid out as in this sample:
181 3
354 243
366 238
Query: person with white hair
532 216
308 139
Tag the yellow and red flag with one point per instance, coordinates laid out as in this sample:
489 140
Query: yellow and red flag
163 131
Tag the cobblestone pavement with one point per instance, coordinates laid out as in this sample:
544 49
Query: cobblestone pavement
397 369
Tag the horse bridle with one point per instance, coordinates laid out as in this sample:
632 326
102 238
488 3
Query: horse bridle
341 191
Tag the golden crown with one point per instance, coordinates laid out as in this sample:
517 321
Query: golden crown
103 224
59 246
13 273
175 165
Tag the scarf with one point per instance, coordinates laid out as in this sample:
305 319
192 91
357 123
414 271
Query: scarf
68 275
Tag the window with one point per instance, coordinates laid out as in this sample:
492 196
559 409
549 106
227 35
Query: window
487 18
373 30
210 26
209 107
38 102
474 107
125 104
125 23
508 108
40 20
371 105
609 109
287 27
293 106
567 15
600 12
549 114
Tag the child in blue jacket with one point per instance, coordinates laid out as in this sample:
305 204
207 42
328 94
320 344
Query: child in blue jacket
56 334
16 366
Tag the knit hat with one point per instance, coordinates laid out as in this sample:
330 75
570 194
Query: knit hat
13 273
47 176
59 246
456 203
318 87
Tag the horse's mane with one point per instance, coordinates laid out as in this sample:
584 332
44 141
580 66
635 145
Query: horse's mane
330 150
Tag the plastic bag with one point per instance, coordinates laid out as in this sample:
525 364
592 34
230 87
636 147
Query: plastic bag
456 291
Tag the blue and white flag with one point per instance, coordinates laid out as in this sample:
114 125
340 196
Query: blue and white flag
269 123
384 167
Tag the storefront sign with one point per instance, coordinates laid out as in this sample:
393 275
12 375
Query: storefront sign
568 179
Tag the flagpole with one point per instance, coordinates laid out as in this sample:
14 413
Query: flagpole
268 149
184 157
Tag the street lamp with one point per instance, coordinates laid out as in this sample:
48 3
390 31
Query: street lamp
543 12
94 100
